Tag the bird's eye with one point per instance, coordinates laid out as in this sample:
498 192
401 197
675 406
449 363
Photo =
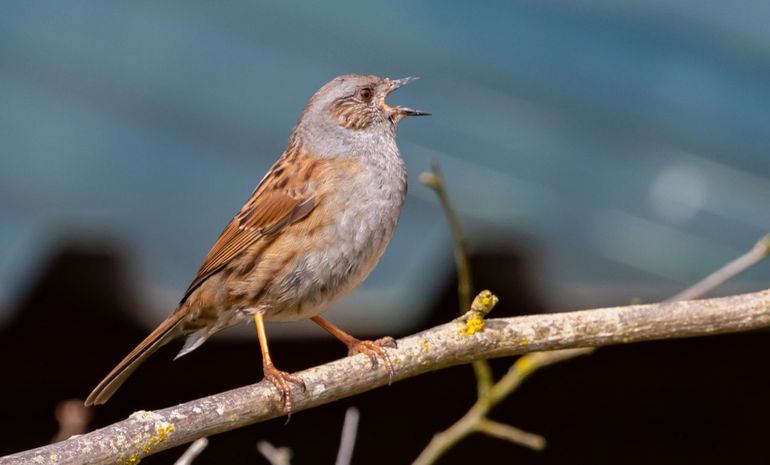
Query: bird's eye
365 94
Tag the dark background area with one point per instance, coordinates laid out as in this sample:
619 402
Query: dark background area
597 152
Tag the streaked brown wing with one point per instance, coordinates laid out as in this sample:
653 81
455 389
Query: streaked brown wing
267 211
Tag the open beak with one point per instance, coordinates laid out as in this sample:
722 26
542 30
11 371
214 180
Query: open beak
400 112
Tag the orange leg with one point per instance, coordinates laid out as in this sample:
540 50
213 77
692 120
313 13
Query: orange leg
280 379
374 349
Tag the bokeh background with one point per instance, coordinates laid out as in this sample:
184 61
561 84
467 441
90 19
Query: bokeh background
597 152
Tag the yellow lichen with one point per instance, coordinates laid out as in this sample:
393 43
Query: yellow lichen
524 342
473 325
484 302
162 431
161 434
424 345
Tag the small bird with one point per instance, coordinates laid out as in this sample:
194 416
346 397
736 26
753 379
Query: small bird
311 231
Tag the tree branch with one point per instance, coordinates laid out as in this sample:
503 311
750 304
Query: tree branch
145 433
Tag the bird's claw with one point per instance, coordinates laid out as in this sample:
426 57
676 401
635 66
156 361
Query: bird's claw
282 382
374 350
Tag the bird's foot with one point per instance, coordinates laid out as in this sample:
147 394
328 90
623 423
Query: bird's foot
375 351
282 382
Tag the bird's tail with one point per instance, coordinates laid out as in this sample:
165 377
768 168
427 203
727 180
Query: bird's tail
164 333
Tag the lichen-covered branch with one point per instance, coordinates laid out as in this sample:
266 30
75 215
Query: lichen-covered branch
145 433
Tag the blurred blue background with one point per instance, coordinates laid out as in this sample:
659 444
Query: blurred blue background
623 145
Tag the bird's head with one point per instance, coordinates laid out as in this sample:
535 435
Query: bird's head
357 102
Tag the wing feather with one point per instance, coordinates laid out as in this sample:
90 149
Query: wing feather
267 212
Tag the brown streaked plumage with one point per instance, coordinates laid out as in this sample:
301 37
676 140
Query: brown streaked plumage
311 231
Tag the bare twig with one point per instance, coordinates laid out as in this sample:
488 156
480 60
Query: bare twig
145 433
435 180
475 419
759 252
192 452
348 441
274 455
510 433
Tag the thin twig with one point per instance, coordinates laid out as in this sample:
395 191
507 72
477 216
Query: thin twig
475 419
192 452
274 455
435 180
759 252
510 433
145 433
348 441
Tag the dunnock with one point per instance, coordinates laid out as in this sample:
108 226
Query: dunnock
312 230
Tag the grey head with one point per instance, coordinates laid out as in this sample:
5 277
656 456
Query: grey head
350 111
